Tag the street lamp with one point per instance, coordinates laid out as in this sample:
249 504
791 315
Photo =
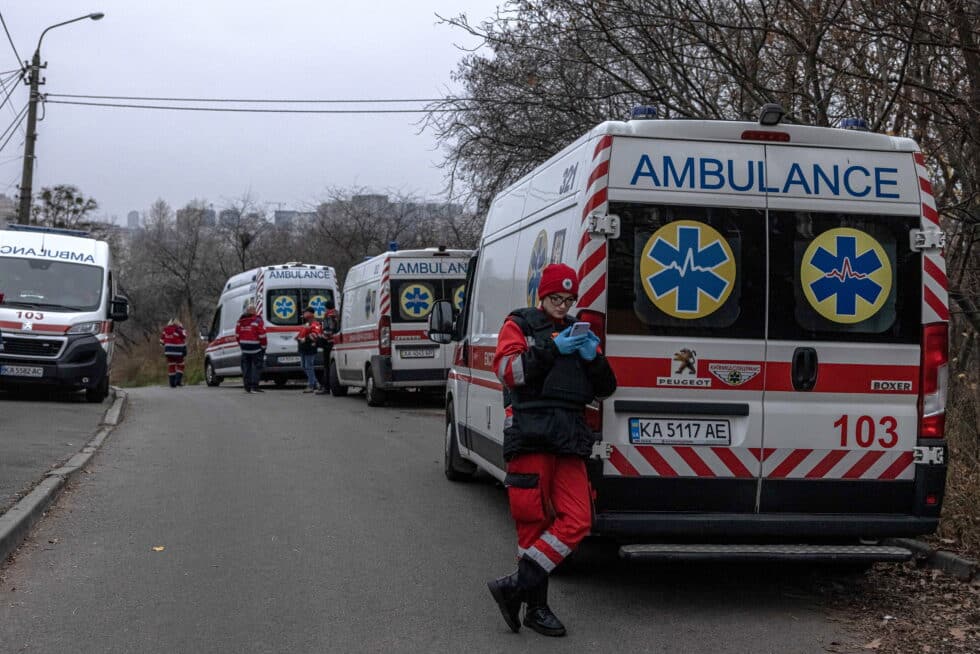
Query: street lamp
34 80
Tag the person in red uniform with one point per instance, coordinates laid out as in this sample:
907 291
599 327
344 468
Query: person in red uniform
308 339
549 376
250 333
331 325
174 342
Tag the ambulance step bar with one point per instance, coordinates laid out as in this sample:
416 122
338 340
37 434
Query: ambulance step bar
760 553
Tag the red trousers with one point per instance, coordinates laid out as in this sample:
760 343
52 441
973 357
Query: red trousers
175 365
554 511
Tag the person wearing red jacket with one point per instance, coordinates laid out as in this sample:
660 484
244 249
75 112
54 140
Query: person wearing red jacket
308 338
174 342
250 333
330 325
549 376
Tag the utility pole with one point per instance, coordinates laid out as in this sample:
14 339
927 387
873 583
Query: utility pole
27 177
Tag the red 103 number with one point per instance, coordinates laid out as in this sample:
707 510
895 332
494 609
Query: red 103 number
865 430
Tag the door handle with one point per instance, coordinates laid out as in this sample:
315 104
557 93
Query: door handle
805 366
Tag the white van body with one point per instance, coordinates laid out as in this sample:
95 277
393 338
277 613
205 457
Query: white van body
56 313
280 293
383 344
773 303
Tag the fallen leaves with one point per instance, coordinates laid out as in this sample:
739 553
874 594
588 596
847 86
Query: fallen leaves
957 633
874 644
158 548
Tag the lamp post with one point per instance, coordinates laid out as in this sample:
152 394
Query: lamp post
34 80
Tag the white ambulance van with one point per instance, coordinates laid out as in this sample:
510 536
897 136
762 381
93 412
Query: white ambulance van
280 293
58 304
773 301
382 345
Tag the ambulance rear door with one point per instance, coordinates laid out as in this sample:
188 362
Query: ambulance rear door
844 330
685 328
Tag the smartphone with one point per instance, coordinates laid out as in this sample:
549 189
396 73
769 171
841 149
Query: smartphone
580 328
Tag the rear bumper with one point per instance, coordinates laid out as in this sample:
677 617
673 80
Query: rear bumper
633 526
387 376
83 364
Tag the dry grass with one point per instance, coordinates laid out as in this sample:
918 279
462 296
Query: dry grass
143 364
960 525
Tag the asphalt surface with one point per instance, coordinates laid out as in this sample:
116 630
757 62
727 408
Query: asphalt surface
38 431
300 523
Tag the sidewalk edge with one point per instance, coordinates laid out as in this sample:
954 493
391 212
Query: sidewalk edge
952 564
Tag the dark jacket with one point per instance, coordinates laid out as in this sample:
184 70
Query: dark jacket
545 392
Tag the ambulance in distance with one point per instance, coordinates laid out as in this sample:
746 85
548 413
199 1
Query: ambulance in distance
382 345
279 293
58 305
772 299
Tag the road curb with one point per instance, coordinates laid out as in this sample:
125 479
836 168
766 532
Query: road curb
948 562
17 521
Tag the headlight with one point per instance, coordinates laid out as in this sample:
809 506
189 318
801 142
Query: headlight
86 328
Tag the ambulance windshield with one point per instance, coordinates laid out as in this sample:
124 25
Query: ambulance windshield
412 299
50 285
284 306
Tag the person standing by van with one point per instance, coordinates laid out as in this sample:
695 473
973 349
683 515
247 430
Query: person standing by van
331 325
309 339
174 342
549 376
250 333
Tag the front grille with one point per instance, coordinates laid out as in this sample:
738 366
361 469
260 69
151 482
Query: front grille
16 346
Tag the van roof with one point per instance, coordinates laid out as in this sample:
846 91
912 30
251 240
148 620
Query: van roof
247 277
30 244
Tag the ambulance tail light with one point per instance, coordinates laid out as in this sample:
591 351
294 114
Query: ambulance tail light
593 412
764 135
934 380
384 336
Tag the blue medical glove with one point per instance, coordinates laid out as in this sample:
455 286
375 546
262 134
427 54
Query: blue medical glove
568 344
588 349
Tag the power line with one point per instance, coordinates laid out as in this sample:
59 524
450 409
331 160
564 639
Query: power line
252 109
13 128
9 93
20 62
247 100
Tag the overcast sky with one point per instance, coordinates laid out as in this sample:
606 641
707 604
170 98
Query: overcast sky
307 49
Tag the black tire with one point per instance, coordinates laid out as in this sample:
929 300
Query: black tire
336 388
210 378
374 395
99 393
280 381
455 466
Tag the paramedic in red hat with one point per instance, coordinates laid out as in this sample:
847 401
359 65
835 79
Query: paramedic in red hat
549 376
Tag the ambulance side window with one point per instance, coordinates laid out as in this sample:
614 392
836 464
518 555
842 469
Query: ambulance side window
463 320
687 271
837 276
215 325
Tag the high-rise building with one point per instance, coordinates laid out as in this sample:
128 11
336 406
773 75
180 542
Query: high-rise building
133 220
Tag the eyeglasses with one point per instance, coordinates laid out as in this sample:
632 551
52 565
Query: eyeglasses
558 300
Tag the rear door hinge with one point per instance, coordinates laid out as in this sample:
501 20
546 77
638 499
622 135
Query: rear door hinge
604 225
927 239
601 450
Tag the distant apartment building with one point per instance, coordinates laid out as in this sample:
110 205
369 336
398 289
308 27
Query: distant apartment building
8 210
133 220
293 218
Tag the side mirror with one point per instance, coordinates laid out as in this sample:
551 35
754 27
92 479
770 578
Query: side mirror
119 309
441 322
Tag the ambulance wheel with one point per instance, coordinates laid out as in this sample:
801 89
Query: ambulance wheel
210 378
455 466
374 395
99 393
336 388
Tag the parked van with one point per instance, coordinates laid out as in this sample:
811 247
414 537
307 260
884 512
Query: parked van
279 293
773 301
382 345
58 304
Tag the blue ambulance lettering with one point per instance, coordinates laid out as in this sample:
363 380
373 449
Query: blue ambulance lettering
64 255
747 176
430 268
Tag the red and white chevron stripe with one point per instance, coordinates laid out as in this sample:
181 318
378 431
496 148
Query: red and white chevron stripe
260 292
935 298
592 251
385 302
744 463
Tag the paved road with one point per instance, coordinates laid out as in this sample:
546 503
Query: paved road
37 432
300 523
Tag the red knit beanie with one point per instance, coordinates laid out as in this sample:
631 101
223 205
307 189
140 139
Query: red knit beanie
557 278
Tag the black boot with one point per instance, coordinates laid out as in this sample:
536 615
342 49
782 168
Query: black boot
538 615
173 381
180 379
509 592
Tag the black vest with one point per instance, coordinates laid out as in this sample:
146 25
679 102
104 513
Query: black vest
566 386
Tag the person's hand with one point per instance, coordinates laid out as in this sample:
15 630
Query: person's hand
568 344
588 349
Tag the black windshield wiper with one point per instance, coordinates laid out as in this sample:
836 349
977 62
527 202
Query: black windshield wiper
63 307
26 305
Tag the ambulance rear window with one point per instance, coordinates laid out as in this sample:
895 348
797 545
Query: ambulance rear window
687 270
838 276
412 299
285 305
